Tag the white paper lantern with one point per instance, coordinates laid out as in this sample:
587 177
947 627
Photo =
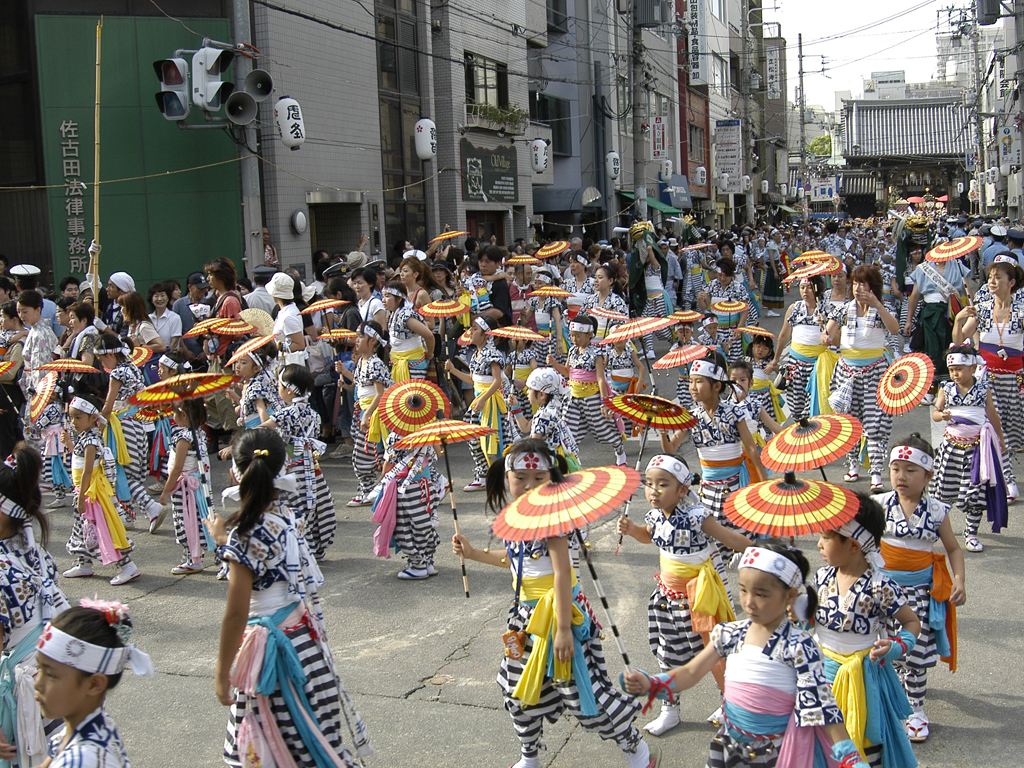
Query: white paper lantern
784 189
666 169
290 126
539 155
425 138
612 164
764 187
746 182
960 188
723 181
702 175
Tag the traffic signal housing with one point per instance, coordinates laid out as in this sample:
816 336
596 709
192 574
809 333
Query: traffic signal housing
173 96
209 89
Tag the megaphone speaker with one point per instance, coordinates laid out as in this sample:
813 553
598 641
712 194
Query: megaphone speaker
240 108
259 84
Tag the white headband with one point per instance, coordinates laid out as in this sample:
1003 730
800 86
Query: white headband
708 369
123 349
959 358
482 325
581 327
779 566
388 291
543 277
283 482
372 333
913 455
288 385
83 405
866 540
1002 258
528 460
673 466
11 508
96 659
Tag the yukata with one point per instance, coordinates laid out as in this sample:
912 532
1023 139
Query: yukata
521 362
532 694
367 441
51 425
686 577
854 390
1002 349
189 502
95 743
99 533
581 410
657 305
908 548
613 303
805 347
764 394
970 469
408 355
479 291
581 291
846 626
29 598
548 425
620 369
312 503
776 700
773 292
283 586
259 387
892 303
729 321
683 396
544 309
132 452
492 413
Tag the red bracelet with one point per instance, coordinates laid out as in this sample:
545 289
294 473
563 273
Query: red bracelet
657 686
902 645
850 760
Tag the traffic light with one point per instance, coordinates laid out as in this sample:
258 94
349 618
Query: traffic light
172 98
209 89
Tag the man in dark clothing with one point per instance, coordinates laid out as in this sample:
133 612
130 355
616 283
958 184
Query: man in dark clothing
501 299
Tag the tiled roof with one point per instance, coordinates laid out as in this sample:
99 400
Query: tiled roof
911 128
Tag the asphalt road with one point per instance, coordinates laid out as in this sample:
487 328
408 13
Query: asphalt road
420 660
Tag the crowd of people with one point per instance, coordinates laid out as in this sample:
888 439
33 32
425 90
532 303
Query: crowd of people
829 666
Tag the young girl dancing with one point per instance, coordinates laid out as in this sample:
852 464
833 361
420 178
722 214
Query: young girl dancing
779 709
859 610
160 447
553 659
82 654
969 464
268 622
913 523
52 429
29 597
690 598
259 400
98 530
544 392
371 378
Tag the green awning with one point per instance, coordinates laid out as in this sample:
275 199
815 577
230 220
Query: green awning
653 202
787 209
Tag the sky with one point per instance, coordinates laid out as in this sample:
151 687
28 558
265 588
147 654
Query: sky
906 42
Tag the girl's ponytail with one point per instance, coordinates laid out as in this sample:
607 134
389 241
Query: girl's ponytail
19 482
259 456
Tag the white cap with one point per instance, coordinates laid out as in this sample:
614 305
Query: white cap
281 286
25 270
122 281
998 230
415 253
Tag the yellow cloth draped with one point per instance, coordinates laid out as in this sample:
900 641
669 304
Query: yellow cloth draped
542 625
583 388
850 693
101 492
467 301
400 363
853 353
491 411
824 369
709 601
121 456
761 385
376 431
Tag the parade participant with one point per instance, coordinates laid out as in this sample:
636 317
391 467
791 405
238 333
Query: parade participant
933 290
583 410
863 624
553 660
860 329
579 284
123 434
605 296
544 393
288 322
779 709
545 312
625 371
914 522
51 427
743 276
521 360
690 598
835 299
762 389
183 490
169 364
684 335
488 407
40 344
371 378
269 622
29 597
725 288
299 426
760 420
412 341
647 274
97 531
969 468
259 400
81 656
773 271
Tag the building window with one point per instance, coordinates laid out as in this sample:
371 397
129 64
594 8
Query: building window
625 101
558 20
556 114
718 9
695 143
719 75
486 81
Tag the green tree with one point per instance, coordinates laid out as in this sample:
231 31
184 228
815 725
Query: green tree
820 145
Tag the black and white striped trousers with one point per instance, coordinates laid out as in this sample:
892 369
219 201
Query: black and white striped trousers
584 418
415 535
670 631
864 406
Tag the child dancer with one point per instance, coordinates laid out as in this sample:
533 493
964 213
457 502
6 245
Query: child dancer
625 371
299 425
547 670
82 654
583 410
29 597
183 489
259 400
412 342
857 605
521 359
759 420
544 390
269 596
98 531
913 523
682 530
371 378
546 312
684 335
779 709
968 468
169 364
762 390
53 432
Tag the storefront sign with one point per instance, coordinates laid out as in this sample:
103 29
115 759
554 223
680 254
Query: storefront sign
74 201
489 175
659 148
696 43
729 155
773 72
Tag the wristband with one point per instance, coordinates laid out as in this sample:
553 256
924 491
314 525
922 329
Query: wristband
902 644
846 755
661 688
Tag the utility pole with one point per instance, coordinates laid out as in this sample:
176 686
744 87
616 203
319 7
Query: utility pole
252 214
639 108
746 135
803 128
979 121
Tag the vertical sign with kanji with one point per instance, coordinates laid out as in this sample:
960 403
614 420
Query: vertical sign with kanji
696 43
74 246
659 148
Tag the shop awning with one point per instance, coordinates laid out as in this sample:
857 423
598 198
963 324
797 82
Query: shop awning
787 209
653 202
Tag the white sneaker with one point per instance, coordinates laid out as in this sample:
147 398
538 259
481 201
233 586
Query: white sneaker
973 544
715 718
58 502
771 313
157 520
358 501
78 571
650 354
432 570
664 722
620 459
129 572
1012 492
928 399
476 485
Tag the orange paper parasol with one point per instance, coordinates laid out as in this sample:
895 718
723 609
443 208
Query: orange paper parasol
6 365
409 405
204 327
149 415
954 249
905 383
140 356
322 305
233 327
639 326
250 346
808 257
451 234
791 507
520 261
550 292
44 391
755 330
729 307
443 308
464 339
184 386
67 365
555 248
697 247
516 333
681 356
830 266
607 314
686 316
337 334
811 443
651 410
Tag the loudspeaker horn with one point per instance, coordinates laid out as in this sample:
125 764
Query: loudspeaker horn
259 84
240 108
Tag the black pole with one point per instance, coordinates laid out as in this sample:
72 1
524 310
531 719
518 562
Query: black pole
823 475
604 601
455 514
639 456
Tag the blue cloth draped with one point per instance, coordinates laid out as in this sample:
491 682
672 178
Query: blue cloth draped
8 704
936 610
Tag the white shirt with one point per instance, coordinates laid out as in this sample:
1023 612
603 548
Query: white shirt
168 325
288 321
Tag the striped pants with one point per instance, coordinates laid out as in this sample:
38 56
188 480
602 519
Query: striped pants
366 457
655 307
616 710
59 491
712 496
864 406
1006 394
913 670
180 531
670 631
482 461
320 520
798 399
951 484
732 347
415 533
138 448
583 417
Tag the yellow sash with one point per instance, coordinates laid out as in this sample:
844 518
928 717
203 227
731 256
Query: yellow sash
376 432
400 363
850 693
774 395
709 601
542 625
102 493
491 411
824 370
583 388
122 456
862 354
808 350
467 301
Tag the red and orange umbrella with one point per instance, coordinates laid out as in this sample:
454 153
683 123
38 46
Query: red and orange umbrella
323 305
149 415
729 306
954 249
639 326
607 314
140 356
451 234
555 248
67 365
830 266
204 326
681 356
550 292
651 411
686 316
184 386
697 247
522 261
755 330
410 405
789 506
811 443
516 333
233 327
44 391
465 339
443 308
808 257
905 383
6 365
337 334
250 346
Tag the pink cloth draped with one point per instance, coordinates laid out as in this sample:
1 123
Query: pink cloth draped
51 440
582 375
385 513
93 514
188 484
797 748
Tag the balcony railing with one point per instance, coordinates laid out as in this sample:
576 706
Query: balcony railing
511 120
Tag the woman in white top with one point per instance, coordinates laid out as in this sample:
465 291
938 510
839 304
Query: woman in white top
288 323
140 330
166 323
